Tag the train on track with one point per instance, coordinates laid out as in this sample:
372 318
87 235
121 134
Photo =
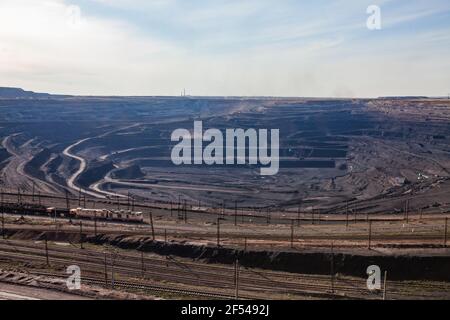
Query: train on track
104 214
99 214
78 213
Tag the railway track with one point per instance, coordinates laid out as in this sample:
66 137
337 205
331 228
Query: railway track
243 215
252 282
162 272
425 235
142 287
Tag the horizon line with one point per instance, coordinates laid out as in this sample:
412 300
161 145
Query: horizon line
62 95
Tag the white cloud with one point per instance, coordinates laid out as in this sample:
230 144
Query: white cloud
38 40
224 48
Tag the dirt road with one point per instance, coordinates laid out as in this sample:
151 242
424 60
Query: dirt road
18 292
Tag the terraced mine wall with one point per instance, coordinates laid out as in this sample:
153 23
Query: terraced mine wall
94 172
33 166
330 164
399 267
4 156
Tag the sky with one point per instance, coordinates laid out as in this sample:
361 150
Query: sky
226 47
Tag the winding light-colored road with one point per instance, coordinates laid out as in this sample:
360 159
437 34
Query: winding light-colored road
71 181
96 187
107 179
74 177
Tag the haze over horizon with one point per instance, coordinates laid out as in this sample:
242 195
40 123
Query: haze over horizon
206 96
225 48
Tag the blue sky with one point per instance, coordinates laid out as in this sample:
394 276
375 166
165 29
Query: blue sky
225 47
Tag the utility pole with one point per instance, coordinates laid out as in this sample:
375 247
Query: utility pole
3 224
95 224
235 213
332 267
151 224
236 279
223 208
384 285
113 258
81 234
346 215
3 215
179 206
406 210
67 201
298 216
32 197
106 270
218 232
46 250
142 264
445 232
292 234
